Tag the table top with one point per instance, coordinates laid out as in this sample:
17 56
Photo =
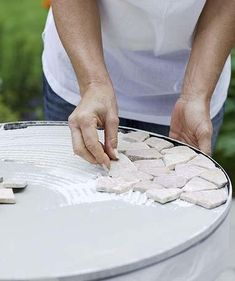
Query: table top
60 226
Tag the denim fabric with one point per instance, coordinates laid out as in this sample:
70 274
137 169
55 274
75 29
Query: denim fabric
57 109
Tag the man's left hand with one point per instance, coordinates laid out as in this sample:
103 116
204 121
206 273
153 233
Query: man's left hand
190 123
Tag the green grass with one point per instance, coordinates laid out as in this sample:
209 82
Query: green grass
21 25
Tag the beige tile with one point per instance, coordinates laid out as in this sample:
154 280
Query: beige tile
6 196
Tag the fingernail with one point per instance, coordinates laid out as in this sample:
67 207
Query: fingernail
116 153
105 168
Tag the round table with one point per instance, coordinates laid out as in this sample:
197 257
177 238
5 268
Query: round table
62 229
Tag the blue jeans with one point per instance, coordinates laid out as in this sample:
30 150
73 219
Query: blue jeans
57 109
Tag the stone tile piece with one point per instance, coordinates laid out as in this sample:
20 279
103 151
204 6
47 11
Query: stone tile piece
118 168
126 145
171 180
202 161
149 163
16 184
208 199
198 184
171 160
113 185
188 171
181 149
156 172
141 176
163 195
7 196
138 136
215 176
146 185
153 167
158 143
143 154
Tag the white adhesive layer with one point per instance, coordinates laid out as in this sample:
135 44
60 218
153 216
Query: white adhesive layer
52 152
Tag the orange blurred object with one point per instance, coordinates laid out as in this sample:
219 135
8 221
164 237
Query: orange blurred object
46 4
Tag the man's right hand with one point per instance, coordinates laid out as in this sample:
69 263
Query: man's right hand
79 28
97 108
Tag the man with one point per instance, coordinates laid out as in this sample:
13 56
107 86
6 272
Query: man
164 65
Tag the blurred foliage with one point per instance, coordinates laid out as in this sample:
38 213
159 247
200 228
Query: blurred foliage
225 150
21 25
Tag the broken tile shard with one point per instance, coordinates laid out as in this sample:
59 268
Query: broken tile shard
208 199
181 149
149 163
7 196
153 167
215 176
163 195
146 185
125 145
16 184
198 184
113 185
171 180
141 176
171 160
202 161
158 143
138 136
122 166
188 171
141 154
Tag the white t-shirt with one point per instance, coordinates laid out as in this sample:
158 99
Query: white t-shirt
146 48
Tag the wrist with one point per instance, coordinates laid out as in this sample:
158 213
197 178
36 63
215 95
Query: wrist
196 99
197 86
193 93
95 82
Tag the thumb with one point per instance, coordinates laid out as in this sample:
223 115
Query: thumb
111 136
204 141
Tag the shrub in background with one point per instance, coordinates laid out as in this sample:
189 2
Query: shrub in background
21 26
225 150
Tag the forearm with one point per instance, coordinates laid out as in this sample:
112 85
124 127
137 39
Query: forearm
78 25
214 38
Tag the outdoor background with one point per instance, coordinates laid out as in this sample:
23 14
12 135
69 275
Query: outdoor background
21 25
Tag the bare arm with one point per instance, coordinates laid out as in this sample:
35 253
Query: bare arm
213 41
78 25
214 38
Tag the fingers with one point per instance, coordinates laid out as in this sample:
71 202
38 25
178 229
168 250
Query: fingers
183 139
85 140
79 147
204 142
204 136
91 140
111 136
174 135
177 136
